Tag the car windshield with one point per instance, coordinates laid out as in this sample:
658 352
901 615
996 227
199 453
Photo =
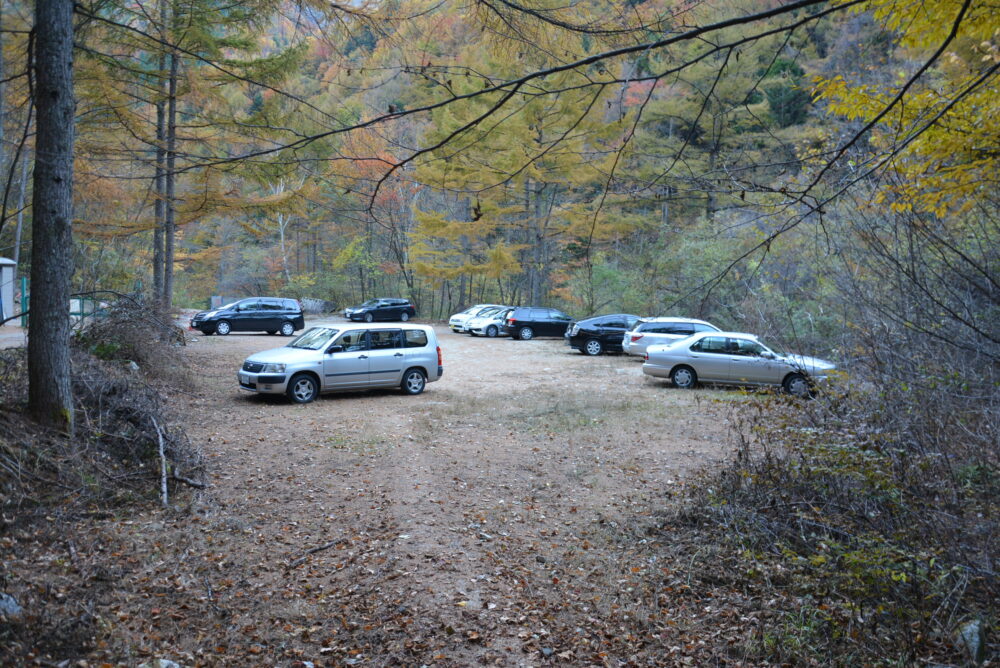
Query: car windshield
227 307
370 302
313 339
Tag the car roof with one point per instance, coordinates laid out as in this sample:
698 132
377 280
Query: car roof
669 318
742 335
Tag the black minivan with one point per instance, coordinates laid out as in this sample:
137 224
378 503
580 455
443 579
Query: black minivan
257 314
527 322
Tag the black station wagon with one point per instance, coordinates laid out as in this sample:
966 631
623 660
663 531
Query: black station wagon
384 308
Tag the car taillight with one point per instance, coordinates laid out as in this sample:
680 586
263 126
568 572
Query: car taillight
645 356
511 321
636 337
440 359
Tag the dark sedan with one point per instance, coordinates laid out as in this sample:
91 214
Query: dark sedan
600 334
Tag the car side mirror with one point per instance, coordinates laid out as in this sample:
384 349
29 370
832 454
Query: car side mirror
334 349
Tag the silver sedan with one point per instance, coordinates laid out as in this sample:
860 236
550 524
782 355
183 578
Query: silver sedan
736 358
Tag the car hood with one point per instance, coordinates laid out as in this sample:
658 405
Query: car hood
285 355
810 364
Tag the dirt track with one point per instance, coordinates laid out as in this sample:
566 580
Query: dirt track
496 518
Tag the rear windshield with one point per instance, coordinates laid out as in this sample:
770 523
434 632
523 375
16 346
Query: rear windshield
415 338
313 339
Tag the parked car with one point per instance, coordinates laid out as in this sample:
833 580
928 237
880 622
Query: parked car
385 308
256 314
600 334
491 324
733 357
653 331
353 357
527 322
458 321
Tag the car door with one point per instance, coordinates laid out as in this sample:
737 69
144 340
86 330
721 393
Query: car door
710 358
270 315
748 364
612 330
348 365
385 356
556 322
247 316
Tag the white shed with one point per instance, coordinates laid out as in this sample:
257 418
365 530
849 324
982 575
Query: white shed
8 277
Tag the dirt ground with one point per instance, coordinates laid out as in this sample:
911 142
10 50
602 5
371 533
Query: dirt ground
503 517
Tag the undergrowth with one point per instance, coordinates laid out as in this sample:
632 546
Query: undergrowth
869 518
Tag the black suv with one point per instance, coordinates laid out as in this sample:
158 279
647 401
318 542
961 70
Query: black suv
603 333
382 309
527 322
257 314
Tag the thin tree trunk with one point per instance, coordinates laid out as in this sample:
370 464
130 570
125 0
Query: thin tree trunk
159 186
50 399
22 190
169 225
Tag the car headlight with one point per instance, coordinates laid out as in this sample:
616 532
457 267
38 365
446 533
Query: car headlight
273 368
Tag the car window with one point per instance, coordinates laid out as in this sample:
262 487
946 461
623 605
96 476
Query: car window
701 327
681 328
617 323
746 347
270 305
383 339
415 338
313 338
711 344
370 303
352 341
249 305
631 321
556 314
289 305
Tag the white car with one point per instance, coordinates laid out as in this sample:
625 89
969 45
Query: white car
653 331
457 322
352 357
490 324
736 358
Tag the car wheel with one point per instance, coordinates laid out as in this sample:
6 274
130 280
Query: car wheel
413 381
492 331
287 329
369 317
302 388
797 385
405 316
684 377
593 347
526 333
222 328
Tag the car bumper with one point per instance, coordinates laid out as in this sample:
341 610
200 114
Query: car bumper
264 383
656 370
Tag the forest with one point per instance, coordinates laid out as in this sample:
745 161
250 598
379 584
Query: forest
819 172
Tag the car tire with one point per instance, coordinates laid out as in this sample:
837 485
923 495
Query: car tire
526 333
222 328
405 316
684 378
369 317
414 381
492 331
797 385
592 347
302 388
287 329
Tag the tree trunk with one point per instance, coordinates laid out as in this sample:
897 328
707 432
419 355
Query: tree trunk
159 186
22 189
169 224
50 399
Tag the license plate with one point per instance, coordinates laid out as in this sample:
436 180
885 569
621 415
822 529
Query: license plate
245 379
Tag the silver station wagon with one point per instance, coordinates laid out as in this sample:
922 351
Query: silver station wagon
353 357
